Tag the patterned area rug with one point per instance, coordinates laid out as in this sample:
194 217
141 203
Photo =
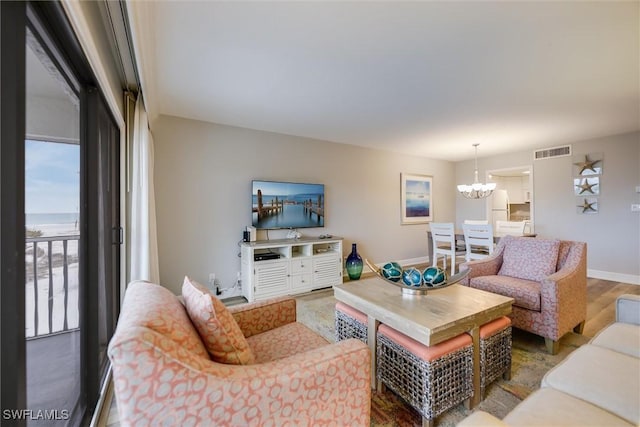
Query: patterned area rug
530 362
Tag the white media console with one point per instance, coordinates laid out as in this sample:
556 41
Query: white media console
273 268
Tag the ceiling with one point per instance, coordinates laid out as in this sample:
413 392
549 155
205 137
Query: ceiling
43 81
425 78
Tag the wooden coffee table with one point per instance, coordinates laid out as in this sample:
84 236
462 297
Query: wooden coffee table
429 319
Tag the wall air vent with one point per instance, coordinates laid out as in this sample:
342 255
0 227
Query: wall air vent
548 153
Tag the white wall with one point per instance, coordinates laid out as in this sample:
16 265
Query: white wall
612 235
203 176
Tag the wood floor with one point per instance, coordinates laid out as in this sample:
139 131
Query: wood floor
601 297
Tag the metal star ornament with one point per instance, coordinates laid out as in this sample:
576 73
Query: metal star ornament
587 165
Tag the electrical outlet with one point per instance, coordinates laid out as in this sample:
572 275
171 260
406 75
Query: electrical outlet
638 189
212 279
635 208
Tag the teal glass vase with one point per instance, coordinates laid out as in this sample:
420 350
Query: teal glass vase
354 264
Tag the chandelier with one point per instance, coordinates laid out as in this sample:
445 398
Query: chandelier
476 190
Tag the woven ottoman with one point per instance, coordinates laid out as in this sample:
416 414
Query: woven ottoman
431 379
495 352
350 323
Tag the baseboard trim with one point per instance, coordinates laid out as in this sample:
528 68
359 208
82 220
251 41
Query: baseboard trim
614 277
403 262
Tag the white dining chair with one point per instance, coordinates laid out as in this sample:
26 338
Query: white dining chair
478 239
514 228
476 221
444 243
460 242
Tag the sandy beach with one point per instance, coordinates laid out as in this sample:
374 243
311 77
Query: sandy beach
55 229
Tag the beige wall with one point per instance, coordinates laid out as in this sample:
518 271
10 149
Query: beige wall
203 186
203 176
612 235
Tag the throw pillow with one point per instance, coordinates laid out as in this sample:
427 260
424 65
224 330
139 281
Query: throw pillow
529 258
215 324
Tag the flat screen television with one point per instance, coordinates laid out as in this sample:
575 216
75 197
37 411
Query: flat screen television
278 205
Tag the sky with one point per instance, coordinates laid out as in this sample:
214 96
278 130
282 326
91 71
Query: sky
286 188
52 177
420 187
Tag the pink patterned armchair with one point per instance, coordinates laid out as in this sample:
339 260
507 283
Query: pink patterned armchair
164 375
546 277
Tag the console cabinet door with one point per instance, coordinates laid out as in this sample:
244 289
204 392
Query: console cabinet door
271 278
301 275
327 271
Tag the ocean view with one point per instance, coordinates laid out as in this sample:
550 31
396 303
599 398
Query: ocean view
417 206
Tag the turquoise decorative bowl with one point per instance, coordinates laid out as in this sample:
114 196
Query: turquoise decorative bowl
415 282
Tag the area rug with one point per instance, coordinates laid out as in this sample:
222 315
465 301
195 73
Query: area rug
530 361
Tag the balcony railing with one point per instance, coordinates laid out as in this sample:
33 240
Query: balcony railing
51 285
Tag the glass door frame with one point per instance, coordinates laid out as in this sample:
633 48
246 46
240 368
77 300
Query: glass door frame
48 21
13 23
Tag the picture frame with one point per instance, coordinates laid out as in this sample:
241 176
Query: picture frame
416 198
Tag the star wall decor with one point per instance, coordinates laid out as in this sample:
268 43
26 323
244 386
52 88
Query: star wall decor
588 206
586 185
590 166
587 170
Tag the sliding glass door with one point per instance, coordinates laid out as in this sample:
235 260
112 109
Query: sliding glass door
52 204
60 250
101 215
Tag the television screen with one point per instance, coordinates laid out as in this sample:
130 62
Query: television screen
287 205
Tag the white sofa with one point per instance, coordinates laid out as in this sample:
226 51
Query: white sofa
596 385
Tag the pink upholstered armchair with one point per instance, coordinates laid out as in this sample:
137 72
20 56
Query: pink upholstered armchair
546 277
164 375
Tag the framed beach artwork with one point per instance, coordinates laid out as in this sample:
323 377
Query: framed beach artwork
416 193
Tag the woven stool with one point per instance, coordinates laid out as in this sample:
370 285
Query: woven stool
495 352
350 323
431 379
